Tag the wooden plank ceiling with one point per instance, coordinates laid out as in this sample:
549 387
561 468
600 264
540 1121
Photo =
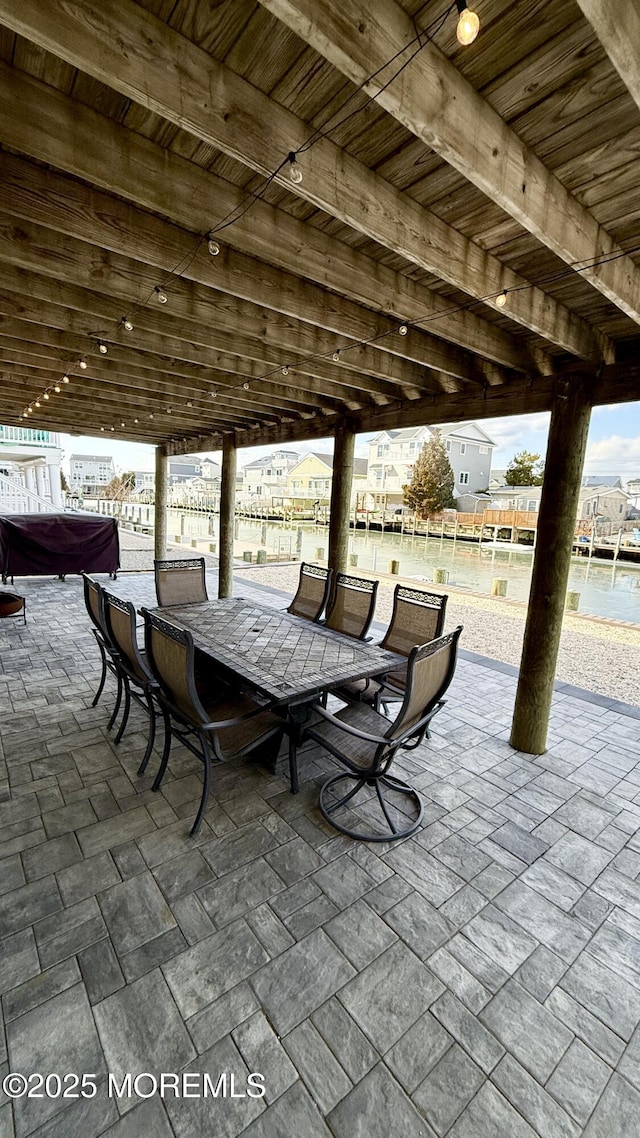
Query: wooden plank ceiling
435 177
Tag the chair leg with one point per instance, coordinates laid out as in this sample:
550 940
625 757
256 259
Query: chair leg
294 737
116 709
165 751
103 677
127 709
392 833
152 733
206 784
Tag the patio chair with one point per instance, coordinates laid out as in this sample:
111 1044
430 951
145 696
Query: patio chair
352 606
93 599
366 743
180 582
417 618
137 679
313 592
213 722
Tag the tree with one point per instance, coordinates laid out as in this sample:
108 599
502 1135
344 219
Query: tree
432 480
119 489
64 485
525 469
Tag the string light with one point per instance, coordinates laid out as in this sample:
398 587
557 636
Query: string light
213 394
46 395
151 414
162 296
37 402
169 410
501 299
102 348
57 388
189 403
336 357
468 24
403 329
295 173
30 410
126 324
112 428
123 424
212 245
136 420
102 428
245 385
65 379
83 365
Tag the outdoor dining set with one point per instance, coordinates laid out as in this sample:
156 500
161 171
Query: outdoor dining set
230 677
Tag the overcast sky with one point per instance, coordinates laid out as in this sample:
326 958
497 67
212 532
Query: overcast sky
614 443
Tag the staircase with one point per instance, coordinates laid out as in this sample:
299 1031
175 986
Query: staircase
16 499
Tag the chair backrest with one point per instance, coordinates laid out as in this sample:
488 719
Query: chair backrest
429 672
352 608
417 618
180 582
94 601
313 590
120 619
171 657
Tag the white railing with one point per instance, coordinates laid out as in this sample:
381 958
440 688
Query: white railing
16 499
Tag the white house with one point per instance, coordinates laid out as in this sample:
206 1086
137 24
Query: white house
266 477
393 453
29 470
90 473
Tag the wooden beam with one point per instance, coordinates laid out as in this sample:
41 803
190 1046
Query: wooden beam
160 505
48 125
437 104
66 206
617 26
44 251
124 46
566 448
341 484
214 344
227 512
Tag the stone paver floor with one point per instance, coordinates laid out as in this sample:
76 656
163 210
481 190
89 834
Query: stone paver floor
478 980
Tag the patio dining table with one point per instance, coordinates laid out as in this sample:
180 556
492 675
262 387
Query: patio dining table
288 660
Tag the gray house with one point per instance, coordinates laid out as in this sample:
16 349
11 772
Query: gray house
393 453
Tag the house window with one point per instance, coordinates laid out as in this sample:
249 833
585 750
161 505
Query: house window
380 451
484 450
447 446
463 448
463 478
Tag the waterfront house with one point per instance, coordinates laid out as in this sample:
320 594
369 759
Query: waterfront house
392 454
309 481
266 477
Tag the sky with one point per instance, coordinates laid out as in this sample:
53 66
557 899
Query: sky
613 447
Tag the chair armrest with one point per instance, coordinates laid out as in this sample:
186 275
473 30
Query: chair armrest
219 724
424 722
347 727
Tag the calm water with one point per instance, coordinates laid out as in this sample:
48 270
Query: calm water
604 590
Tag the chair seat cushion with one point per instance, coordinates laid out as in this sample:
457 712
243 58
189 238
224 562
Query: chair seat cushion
360 752
365 690
246 734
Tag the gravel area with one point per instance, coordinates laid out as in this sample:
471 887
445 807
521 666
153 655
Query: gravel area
136 552
599 655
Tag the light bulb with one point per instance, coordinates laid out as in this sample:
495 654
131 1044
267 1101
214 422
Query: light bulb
46 394
336 357
189 403
295 173
65 379
151 414
113 428
169 410
213 394
102 428
24 415
83 365
126 324
123 424
30 410
102 348
37 402
57 388
285 370
162 296
245 386
136 420
403 329
501 300
212 245
468 24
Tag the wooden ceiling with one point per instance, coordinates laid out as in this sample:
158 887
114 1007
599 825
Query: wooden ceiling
435 176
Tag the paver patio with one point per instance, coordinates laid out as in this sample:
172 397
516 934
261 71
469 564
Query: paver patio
478 980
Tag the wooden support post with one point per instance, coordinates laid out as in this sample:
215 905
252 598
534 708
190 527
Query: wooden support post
160 506
566 447
227 509
340 498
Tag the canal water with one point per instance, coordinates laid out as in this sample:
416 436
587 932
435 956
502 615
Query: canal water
605 589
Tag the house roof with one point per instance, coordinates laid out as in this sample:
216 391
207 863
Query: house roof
360 465
469 430
90 458
602 480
